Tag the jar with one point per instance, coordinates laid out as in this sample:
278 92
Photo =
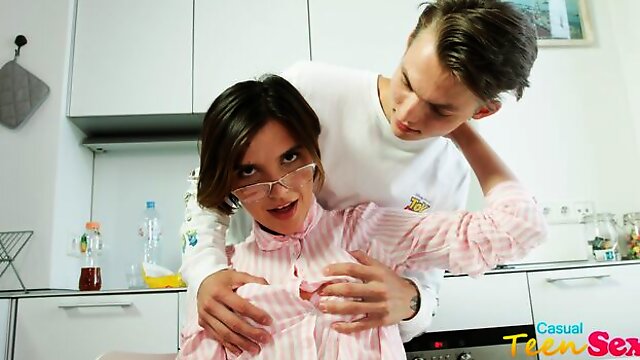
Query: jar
90 247
90 278
603 236
631 223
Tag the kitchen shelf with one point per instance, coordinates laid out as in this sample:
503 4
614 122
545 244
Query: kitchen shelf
140 125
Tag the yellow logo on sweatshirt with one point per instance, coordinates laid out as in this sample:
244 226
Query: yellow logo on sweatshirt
418 204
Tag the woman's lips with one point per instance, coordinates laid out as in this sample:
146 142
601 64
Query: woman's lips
404 128
286 212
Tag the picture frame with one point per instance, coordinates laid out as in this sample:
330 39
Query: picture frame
558 22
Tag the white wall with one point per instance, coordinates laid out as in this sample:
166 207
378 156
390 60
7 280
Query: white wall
572 135
43 184
124 181
628 41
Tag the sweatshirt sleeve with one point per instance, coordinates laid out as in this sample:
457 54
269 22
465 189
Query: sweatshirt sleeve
462 242
203 234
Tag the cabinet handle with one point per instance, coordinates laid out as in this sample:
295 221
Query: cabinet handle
89 305
598 277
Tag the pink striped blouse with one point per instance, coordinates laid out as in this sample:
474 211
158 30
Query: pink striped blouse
462 242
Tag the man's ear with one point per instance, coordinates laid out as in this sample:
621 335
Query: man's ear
489 108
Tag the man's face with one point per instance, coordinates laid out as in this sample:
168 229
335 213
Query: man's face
427 100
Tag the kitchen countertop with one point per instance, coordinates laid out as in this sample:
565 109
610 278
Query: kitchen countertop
10 294
14 294
514 268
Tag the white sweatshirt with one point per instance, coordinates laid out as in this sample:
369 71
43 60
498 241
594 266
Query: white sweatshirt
364 162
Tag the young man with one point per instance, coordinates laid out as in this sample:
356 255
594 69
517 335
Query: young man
383 140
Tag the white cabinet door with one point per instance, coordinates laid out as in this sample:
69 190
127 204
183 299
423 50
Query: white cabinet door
238 40
132 57
5 327
602 298
84 327
493 300
363 34
182 312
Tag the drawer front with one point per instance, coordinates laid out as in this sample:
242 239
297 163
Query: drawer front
587 300
84 327
493 300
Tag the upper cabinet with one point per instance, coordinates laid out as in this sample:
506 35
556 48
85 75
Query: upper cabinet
238 40
132 58
363 34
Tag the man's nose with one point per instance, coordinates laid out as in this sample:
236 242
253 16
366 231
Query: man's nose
407 110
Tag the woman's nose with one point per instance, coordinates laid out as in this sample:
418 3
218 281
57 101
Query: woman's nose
278 190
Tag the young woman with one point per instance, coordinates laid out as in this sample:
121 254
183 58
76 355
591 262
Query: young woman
260 151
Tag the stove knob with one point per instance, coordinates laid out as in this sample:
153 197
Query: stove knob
465 356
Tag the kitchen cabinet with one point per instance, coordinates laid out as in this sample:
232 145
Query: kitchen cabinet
238 40
132 58
5 327
598 298
364 34
83 327
182 313
493 300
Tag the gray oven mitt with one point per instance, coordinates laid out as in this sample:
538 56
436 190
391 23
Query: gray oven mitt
21 93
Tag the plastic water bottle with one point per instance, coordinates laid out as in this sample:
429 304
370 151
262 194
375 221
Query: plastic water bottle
149 231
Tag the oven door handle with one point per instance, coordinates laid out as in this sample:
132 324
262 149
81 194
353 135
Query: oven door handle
597 277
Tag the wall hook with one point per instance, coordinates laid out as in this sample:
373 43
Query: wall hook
20 41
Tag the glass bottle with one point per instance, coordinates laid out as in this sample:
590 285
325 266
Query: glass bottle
91 247
604 236
631 223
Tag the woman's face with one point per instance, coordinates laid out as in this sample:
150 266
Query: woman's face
272 154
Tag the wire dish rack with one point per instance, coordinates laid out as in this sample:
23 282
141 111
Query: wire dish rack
11 243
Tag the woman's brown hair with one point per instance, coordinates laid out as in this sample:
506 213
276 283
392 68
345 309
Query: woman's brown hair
234 117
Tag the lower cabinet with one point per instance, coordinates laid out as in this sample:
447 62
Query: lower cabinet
182 312
490 301
84 327
592 307
5 327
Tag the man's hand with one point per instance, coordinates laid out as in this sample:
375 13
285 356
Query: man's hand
386 298
220 310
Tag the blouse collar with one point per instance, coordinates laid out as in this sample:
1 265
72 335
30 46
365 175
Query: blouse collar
267 241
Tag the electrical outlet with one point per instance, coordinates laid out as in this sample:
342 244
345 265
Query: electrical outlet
567 212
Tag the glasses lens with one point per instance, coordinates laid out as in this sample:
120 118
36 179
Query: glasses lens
252 192
299 177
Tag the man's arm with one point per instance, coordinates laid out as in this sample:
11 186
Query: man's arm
430 281
204 268
203 234
428 284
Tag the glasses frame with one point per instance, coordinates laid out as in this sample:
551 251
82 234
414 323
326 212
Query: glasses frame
313 166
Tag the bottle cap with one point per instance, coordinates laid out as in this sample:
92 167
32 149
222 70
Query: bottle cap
151 204
92 225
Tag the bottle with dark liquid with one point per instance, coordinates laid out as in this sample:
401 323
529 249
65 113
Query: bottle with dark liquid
90 273
90 279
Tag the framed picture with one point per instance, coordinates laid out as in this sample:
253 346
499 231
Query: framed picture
558 22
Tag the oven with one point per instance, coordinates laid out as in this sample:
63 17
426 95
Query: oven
471 344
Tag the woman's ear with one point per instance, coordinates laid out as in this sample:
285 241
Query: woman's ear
489 108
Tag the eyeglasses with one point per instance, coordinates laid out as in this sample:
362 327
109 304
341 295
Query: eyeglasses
295 179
